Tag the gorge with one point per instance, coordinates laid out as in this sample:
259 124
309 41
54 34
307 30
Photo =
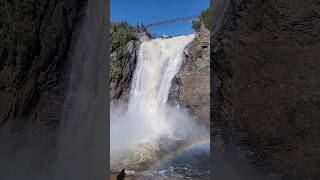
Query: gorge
261 58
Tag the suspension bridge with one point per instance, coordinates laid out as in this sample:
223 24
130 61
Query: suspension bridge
143 27
170 21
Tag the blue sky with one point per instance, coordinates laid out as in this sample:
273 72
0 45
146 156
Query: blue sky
150 11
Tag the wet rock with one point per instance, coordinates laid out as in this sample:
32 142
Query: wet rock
193 78
144 36
35 44
264 82
121 175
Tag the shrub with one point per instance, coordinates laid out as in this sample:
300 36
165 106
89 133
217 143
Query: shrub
199 53
121 34
196 24
204 19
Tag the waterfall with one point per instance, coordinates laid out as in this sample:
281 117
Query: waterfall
82 151
159 61
148 117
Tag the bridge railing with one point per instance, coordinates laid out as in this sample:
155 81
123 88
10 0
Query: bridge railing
170 21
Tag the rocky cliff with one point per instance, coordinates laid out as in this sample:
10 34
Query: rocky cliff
120 86
265 83
35 40
124 54
193 79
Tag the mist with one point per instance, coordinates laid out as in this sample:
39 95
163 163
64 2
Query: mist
130 128
78 150
82 142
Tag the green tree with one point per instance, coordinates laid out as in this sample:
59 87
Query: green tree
205 17
196 24
121 34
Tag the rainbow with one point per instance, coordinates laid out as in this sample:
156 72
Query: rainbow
180 150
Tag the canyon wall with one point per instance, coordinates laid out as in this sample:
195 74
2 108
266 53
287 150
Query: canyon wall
120 85
194 77
35 44
265 83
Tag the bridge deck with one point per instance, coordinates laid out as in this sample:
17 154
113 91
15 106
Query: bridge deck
170 21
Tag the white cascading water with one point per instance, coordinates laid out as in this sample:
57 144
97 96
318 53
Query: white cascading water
148 117
159 61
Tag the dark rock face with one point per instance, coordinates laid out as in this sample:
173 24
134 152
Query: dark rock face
36 38
120 87
265 82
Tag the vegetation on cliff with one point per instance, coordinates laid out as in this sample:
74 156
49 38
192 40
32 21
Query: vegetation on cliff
121 34
124 44
204 19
